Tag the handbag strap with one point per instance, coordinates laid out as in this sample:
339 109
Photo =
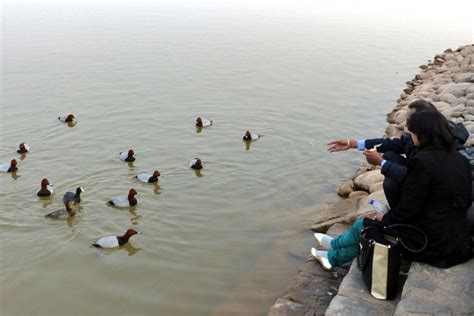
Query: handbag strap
370 249
421 232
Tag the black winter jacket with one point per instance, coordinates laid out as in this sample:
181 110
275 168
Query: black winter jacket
436 194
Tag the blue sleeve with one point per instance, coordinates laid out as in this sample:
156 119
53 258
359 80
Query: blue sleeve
361 144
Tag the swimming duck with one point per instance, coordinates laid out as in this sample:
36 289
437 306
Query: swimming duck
74 197
148 178
250 136
22 148
114 241
202 122
127 156
66 118
130 200
9 167
68 211
196 163
46 189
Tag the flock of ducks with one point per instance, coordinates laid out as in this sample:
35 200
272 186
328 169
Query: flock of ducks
72 198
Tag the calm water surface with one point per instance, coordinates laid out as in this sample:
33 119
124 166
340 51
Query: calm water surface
136 75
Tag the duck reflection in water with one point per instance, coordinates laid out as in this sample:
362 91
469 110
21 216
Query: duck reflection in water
14 175
71 124
156 189
247 144
134 217
198 173
22 156
130 165
198 129
130 249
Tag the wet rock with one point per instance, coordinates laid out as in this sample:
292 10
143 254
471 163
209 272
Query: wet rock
345 189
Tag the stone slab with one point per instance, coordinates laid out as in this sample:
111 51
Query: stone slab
353 298
432 291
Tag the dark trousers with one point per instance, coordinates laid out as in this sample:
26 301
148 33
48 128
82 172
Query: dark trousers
392 188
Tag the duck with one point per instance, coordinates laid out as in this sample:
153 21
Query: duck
74 197
22 148
65 213
127 156
202 122
9 167
66 118
250 136
114 241
46 189
148 178
196 164
121 201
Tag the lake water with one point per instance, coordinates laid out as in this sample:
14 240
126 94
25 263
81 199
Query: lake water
136 75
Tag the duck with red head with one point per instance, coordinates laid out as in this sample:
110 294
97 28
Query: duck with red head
127 156
196 164
46 189
202 122
114 241
22 148
250 136
9 167
148 178
66 118
65 213
122 201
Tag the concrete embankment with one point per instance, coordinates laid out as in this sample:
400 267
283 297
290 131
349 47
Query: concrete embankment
448 82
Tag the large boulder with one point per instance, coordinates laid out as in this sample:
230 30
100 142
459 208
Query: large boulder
365 180
464 77
456 89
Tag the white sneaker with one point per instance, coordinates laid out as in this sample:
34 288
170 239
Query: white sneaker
324 240
322 257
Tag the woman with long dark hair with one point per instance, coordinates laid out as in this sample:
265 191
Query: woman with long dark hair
436 194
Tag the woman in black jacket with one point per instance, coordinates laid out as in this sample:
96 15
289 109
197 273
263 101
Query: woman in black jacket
436 194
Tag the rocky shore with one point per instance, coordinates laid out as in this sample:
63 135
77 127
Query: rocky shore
447 81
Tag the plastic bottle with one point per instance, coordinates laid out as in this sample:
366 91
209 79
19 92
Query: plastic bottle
378 206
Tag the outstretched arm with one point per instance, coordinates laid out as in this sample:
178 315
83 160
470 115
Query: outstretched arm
339 145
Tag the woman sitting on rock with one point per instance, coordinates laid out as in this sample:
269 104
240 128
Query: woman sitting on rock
436 194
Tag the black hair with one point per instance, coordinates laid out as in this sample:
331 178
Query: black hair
422 105
431 128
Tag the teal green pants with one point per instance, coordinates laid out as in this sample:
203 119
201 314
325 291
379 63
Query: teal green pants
346 247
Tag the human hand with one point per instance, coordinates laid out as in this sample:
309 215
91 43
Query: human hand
373 157
338 145
378 217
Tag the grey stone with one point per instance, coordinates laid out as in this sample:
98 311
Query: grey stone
353 298
464 77
470 103
447 97
457 89
432 291
470 96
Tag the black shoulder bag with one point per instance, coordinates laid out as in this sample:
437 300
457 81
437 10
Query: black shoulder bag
379 257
